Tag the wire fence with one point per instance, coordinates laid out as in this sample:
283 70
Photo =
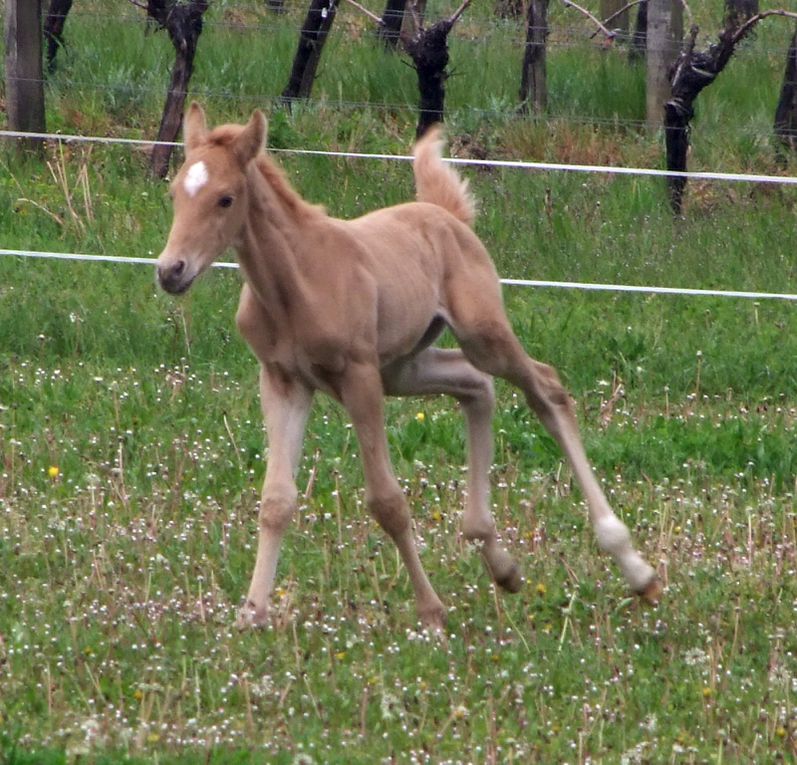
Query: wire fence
566 31
508 164
785 180
502 110
539 283
134 91
499 106
566 36
561 33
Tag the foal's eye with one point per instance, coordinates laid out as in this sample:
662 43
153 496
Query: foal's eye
225 201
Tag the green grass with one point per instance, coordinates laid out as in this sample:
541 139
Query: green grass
132 448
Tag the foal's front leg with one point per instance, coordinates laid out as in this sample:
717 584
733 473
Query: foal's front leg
361 394
286 405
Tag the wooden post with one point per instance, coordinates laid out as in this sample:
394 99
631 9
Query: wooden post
429 52
54 24
534 74
786 112
312 36
414 19
24 73
608 8
739 11
183 22
665 32
392 21
695 70
639 38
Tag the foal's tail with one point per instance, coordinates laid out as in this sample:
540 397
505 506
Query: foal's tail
438 182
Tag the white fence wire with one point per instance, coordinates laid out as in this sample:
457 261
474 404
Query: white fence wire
785 180
511 164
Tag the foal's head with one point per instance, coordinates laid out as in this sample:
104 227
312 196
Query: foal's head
209 195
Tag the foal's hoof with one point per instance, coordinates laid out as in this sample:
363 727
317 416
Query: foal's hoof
433 620
510 580
652 592
503 568
250 616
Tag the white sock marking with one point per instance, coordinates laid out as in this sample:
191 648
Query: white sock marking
615 539
195 178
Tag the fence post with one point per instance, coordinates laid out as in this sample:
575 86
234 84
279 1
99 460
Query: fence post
665 32
534 73
786 111
609 8
24 72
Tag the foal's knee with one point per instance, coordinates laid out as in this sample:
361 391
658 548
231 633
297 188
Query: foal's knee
391 513
276 510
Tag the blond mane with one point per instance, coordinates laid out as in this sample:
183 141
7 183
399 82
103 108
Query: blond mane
276 178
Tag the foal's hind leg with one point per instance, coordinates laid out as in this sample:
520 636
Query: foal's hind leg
434 371
479 323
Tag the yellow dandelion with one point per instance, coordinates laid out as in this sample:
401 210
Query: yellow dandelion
780 732
138 694
153 738
541 589
707 692
53 471
340 655
421 417
437 516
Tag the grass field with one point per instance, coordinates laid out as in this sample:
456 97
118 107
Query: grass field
133 451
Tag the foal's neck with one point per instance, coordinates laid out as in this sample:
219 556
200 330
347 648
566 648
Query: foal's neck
272 235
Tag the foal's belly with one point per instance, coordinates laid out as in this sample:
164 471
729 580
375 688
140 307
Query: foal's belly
414 343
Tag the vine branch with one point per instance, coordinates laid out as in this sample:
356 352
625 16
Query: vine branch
596 21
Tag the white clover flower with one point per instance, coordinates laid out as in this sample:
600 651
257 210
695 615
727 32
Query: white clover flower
695 657
390 707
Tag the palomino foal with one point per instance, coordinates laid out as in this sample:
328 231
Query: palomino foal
351 308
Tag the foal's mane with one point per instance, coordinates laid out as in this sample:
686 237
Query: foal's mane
275 177
273 174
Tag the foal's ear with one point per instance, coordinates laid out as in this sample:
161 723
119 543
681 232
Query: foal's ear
251 139
195 127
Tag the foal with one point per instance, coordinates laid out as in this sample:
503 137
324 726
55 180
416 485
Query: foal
351 308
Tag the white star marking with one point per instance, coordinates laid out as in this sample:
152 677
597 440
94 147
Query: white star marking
195 178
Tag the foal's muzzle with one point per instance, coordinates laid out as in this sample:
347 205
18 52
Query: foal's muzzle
173 277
